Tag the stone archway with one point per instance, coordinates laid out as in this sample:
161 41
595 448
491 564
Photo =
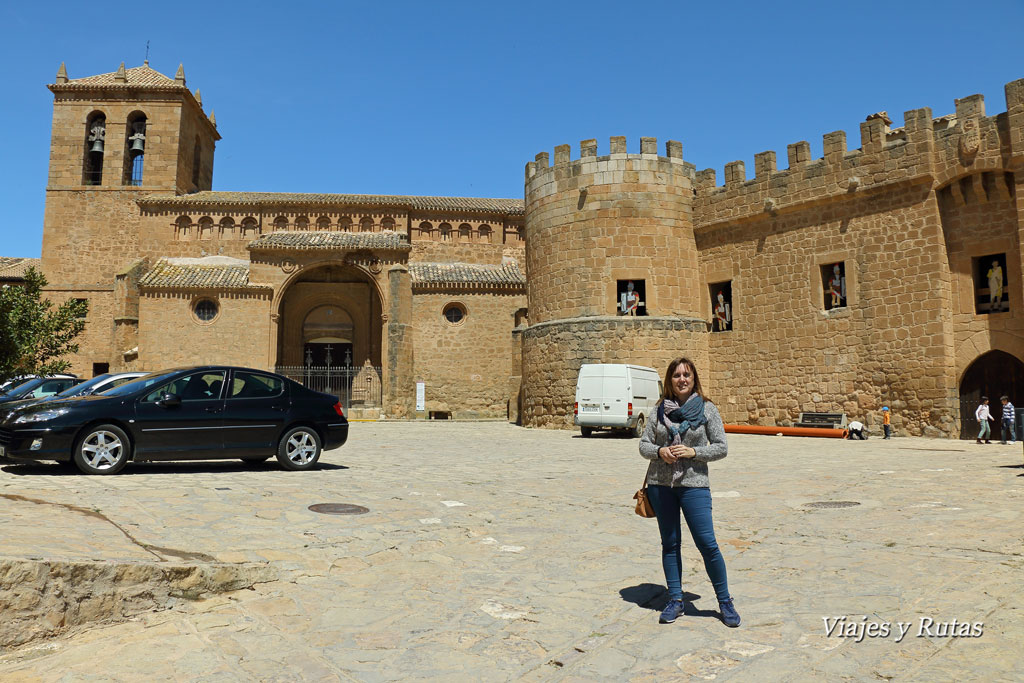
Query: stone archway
992 374
330 303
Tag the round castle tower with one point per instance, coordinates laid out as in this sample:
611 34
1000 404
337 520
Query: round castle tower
593 225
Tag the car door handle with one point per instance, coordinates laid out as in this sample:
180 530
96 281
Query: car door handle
279 408
213 410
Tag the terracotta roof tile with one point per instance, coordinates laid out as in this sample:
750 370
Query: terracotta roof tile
435 274
135 77
331 240
13 267
211 272
512 207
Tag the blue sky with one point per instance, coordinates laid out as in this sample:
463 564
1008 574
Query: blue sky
453 98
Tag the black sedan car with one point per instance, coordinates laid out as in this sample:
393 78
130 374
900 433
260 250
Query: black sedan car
198 413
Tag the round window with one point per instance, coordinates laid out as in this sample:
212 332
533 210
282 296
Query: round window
205 310
454 313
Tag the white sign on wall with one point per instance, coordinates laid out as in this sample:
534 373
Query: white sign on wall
421 396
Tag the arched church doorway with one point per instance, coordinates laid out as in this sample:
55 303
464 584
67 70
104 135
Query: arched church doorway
329 334
992 374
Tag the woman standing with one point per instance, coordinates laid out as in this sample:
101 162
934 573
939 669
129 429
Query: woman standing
687 435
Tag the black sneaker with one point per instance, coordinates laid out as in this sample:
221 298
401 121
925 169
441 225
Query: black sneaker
672 610
730 617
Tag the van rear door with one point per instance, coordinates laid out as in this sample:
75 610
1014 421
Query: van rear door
589 393
615 396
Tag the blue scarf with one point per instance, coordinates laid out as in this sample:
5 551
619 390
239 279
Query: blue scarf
677 419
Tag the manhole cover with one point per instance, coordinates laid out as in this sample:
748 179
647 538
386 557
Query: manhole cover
339 509
832 504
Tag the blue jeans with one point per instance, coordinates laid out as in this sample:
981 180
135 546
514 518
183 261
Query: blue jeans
985 431
1007 429
696 506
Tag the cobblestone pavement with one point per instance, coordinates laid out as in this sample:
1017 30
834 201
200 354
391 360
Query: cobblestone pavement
492 552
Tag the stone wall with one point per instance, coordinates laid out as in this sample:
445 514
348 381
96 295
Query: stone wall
892 342
554 351
465 366
170 335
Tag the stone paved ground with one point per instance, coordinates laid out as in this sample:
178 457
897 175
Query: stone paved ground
492 552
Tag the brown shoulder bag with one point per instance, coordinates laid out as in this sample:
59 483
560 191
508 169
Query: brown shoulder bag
643 504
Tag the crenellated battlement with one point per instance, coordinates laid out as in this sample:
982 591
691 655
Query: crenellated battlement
540 169
923 148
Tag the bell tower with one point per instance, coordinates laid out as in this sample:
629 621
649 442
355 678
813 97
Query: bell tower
116 137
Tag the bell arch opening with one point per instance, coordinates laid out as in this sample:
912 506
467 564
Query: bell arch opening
992 374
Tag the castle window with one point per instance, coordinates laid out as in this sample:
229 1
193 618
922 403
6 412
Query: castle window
183 228
833 282
95 136
345 224
205 310
197 155
281 223
366 224
465 232
427 230
227 227
485 233
302 223
991 293
205 228
631 297
721 306
445 229
387 223
134 149
323 223
249 226
522 317
454 313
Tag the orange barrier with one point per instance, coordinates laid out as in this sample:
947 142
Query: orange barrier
786 431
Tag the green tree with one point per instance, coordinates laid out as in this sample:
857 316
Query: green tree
35 335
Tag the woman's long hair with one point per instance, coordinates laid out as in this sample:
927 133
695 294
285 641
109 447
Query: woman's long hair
666 388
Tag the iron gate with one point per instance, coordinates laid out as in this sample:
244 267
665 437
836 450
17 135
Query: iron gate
355 386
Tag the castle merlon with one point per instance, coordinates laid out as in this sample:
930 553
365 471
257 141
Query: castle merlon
617 150
919 132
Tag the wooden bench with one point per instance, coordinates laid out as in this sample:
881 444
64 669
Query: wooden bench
822 420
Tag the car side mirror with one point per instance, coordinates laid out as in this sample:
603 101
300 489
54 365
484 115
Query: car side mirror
169 400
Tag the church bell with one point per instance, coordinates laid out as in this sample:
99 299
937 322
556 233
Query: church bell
138 145
97 146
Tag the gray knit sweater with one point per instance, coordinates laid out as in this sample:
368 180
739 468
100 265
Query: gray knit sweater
708 441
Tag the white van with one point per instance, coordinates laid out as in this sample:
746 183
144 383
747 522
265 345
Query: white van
615 397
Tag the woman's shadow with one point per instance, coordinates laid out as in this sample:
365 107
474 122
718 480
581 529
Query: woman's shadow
654 597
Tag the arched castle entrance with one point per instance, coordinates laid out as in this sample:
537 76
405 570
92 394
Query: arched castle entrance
992 374
329 334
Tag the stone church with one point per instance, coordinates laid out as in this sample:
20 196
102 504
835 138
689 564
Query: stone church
884 274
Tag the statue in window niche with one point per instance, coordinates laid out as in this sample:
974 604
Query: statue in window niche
995 287
722 314
630 300
837 287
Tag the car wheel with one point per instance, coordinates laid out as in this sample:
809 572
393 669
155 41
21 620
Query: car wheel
102 450
299 448
586 432
638 429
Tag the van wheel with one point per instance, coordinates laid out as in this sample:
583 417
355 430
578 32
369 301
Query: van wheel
586 432
638 429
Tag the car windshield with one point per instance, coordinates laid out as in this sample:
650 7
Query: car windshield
140 384
25 387
84 387
15 384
